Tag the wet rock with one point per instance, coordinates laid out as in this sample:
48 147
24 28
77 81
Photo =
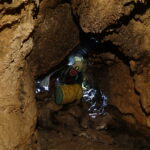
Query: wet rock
102 126
102 122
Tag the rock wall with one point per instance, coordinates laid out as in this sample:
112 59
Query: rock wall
34 37
126 24
55 36
133 42
97 15
31 44
17 104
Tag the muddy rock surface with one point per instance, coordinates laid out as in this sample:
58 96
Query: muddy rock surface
124 24
97 15
121 86
55 36
17 103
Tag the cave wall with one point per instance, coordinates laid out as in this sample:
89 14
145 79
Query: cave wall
34 36
55 35
126 24
118 85
97 15
133 40
31 44
17 104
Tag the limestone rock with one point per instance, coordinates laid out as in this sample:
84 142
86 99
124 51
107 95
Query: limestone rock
142 85
107 56
76 111
133 66
85 122
122 95
53 106
117 84
129 36
48 4
126 24
97 15
64 119
44 118
55 36
17 103
97 136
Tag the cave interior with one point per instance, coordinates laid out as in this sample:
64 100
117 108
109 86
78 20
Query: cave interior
37 38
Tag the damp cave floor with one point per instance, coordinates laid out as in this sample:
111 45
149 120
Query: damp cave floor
67 140
51 140
64 135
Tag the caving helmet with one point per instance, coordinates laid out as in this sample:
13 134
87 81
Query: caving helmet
77 58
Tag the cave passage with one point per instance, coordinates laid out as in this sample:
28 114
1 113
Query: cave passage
91 122
74 74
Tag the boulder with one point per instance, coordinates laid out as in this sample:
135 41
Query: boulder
55 36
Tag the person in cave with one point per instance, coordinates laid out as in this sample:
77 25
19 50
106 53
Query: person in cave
68 86
69 83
